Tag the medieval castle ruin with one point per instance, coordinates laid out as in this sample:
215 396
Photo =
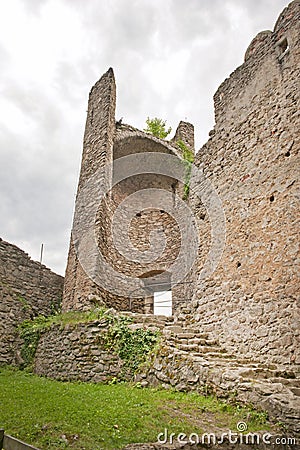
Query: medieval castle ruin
215 244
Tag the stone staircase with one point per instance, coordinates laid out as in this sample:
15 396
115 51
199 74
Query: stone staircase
191 360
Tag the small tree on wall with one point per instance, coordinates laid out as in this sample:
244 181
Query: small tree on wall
157 127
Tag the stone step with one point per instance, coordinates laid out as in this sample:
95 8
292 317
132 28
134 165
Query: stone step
200 349
288 382
216 357
185 335
181 334
257 372
147 318
250 373
192 343
154 326
174 329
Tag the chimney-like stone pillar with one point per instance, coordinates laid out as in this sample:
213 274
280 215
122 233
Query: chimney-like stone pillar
97 152
185 133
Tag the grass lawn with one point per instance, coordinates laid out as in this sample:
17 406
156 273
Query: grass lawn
57 415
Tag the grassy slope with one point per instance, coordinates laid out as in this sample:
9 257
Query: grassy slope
56 415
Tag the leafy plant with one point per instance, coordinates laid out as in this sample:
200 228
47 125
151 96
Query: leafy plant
30 342
132 346
157 127
188 159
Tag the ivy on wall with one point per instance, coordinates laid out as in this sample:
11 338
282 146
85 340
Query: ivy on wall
132 346
188 159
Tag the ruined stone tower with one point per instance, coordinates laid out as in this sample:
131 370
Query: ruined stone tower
250 301
105 142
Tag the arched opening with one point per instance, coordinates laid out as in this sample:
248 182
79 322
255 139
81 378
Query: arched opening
158 284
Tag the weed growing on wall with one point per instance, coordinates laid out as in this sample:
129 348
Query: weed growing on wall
157 127
132 346
30 342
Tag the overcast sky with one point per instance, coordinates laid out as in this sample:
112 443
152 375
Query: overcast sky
169 57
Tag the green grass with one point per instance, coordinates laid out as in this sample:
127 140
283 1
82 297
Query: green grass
56 415
63 319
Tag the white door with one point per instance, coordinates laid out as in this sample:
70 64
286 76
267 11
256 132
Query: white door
163 303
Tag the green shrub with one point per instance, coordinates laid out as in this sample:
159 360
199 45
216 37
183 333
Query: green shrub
157 127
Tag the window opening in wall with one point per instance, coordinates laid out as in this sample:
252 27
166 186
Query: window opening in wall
162 303
283 47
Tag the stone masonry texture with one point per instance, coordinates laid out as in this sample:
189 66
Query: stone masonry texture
104 142
251 303
27 289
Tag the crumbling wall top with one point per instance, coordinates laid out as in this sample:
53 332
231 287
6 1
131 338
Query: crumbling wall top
185 133
265 59
128 134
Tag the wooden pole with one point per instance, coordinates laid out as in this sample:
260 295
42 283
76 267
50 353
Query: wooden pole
42 250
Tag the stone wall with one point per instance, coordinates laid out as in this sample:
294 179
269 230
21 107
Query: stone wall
76 353
240 333
186 360
27 289
97 150
252 158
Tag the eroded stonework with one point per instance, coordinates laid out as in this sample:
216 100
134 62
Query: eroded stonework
27 289
238 329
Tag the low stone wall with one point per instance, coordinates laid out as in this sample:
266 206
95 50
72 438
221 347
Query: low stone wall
76 352
27 289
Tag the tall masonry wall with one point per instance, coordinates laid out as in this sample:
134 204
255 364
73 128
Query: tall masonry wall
251 303
97 151
27 289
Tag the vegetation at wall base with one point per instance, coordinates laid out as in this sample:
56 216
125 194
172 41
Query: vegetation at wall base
132 346
58 415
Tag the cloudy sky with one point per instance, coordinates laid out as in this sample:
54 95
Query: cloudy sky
169 57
